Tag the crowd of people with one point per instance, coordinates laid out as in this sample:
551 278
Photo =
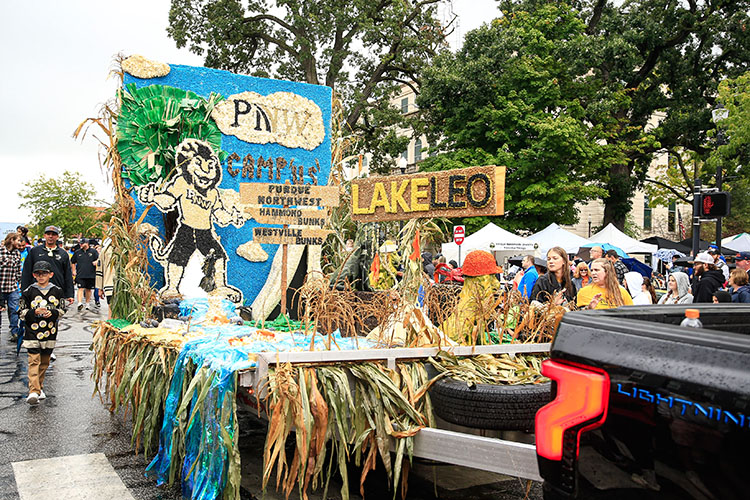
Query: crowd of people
605 281
37 285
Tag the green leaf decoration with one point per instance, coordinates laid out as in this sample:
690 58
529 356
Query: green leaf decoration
153 121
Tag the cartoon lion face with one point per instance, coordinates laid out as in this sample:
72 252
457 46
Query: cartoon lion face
199 164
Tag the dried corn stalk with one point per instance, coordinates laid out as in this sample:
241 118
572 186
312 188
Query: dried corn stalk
359 408
133 373
503 369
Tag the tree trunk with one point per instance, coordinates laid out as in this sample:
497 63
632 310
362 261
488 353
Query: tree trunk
617 203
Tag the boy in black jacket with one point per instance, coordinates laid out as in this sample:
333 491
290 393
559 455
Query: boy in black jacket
41 306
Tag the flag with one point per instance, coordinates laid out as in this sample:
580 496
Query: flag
415 255
682 226
375 267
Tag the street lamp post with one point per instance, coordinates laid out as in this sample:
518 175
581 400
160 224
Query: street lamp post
718 114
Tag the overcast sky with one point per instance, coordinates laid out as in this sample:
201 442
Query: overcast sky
55 58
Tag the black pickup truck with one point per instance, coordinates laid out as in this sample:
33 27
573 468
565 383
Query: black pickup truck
644 408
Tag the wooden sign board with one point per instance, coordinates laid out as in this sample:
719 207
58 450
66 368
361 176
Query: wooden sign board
466 192
290 236
290 195
290 216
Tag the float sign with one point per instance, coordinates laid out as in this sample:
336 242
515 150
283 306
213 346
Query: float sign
465 192
458 234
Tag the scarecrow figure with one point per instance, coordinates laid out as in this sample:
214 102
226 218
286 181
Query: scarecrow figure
193 191
477 299
384 271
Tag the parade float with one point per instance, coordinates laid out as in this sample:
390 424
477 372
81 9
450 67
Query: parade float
227 197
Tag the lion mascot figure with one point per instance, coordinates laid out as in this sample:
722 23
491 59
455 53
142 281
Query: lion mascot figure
193 191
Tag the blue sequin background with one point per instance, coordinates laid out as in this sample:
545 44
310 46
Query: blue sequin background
247 276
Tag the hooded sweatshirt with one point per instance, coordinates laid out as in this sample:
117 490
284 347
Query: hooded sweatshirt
704 288
635 282
742 294
427 264
683 291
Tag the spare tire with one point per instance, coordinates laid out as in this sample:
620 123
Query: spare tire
489 406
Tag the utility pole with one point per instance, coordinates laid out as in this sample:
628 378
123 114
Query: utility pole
696 216
718 219
717 115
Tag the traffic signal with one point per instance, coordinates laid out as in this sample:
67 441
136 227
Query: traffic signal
715 205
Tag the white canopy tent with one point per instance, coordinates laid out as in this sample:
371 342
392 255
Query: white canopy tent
491 238
740 243
614 236
555 236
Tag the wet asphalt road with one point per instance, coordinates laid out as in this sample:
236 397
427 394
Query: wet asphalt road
72 422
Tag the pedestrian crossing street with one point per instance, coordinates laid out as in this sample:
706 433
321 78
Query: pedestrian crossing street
77 477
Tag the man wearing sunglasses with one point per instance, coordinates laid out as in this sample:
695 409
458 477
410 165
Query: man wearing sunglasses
57 258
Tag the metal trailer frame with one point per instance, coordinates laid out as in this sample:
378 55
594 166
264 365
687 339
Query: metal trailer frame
477 452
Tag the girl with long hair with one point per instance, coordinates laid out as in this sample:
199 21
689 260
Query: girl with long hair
555 285
678 290
604 292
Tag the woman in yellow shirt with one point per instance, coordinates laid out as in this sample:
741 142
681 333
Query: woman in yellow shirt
604 292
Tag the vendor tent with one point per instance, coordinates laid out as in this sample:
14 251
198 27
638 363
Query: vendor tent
704 245
739 244
668 244
491 238
555 236
614 236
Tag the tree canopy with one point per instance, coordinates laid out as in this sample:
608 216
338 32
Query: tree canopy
634 79
729 149
65 201
509 97
363 49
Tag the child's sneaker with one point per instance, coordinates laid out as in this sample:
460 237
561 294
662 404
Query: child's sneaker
52 357
33 398
42 396
80 306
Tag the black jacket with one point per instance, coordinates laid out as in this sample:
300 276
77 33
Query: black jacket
547 285
60 262
704 288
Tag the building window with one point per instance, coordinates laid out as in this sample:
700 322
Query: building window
672 217
646 214
417 150
404 105
405 155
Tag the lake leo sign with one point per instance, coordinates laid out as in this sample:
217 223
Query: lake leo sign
458 234
466 192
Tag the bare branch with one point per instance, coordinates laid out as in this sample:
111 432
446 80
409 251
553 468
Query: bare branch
596 16
273 19
276 41
670 189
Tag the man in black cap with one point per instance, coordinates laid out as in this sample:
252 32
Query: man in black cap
84 260
58 260
742 260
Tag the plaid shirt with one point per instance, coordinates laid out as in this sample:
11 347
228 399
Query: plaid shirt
620 269
10 269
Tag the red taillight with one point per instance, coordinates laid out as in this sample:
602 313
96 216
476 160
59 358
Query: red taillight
582 396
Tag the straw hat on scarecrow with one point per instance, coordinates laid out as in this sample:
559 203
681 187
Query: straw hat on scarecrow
477 299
